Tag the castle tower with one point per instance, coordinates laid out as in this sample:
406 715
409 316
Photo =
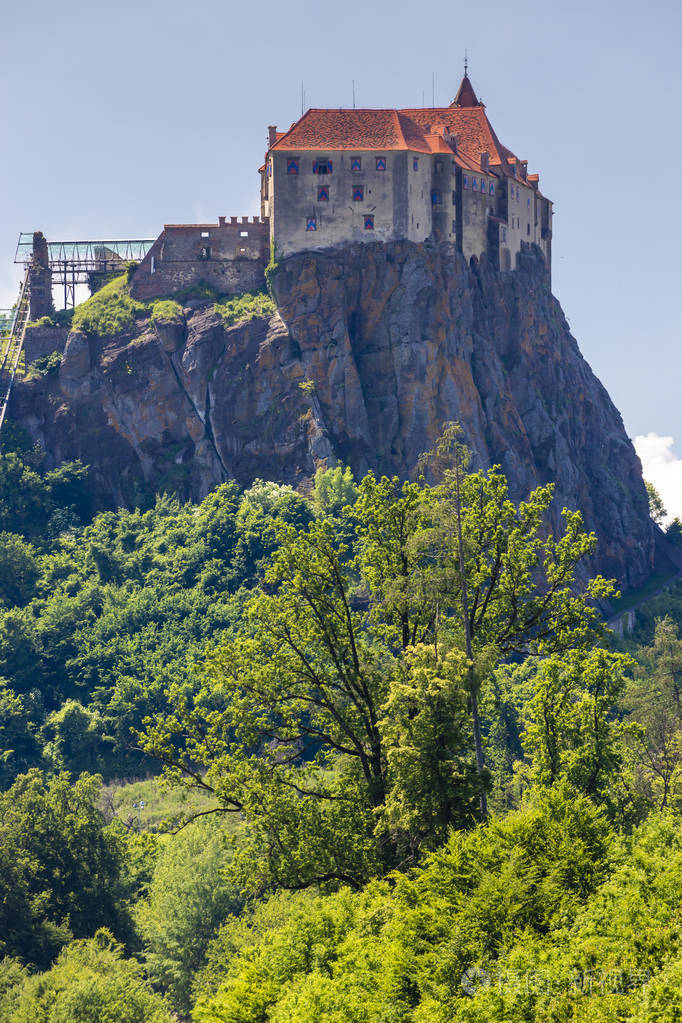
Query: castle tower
40 279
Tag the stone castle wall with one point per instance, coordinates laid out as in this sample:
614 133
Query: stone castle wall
230 256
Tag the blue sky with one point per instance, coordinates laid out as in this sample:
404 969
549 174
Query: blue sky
117 118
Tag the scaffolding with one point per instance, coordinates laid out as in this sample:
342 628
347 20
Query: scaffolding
80 262
12 344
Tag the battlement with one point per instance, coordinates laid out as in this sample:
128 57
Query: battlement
230 256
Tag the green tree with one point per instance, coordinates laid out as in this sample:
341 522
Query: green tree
19 570
188 899
69 488
432 779
292 727
263 506
61 871
25 500
656 506
654 703
91 982
572 732
74 737
333 489
20 748
12 977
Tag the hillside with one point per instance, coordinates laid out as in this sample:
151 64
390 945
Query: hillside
370 351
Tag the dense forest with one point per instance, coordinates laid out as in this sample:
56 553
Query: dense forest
362 754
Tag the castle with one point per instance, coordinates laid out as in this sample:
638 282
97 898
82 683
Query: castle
345 176
440 173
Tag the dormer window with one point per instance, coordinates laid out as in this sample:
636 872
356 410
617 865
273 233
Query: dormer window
322 166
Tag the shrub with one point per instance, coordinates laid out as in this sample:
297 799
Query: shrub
44 366
250 306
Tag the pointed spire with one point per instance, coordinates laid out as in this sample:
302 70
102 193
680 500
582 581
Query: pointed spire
466 97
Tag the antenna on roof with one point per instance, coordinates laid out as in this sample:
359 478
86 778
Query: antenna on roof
302 99
433 88
353 93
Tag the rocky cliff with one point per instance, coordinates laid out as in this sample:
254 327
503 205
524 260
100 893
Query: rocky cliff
372 349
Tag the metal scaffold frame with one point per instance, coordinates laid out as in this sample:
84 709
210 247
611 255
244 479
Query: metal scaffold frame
12 345
72 263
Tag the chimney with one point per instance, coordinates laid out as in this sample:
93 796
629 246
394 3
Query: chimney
272 135
485 161
524 169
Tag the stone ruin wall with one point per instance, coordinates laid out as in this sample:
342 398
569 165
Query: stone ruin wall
230 256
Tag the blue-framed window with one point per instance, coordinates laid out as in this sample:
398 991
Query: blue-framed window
311 224
491 188
358 193
369 222
292 166
436 197
355 163
323 193
322 166
483 188
474 184
415 163
381 163
465 181
528 202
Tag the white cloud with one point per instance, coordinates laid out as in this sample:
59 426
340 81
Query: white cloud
663 468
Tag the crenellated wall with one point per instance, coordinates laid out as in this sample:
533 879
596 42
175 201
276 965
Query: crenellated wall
230 256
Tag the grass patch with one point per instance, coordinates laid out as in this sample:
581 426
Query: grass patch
252 305
165 310
111 310
124 801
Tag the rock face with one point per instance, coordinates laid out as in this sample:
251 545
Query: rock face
372 350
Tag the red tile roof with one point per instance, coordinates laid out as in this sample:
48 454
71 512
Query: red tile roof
352 130
418 130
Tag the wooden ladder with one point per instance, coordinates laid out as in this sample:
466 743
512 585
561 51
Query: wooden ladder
12 347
